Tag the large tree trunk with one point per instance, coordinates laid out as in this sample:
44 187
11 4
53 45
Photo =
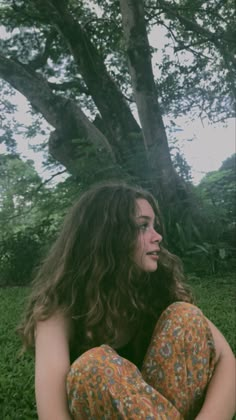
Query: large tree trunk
143 154
121 128
165 181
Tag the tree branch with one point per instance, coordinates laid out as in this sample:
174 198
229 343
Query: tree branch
172 11
63 114
41 59
124 132
216 38
219 39
76 83
50 179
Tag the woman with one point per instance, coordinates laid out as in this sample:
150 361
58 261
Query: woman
114 330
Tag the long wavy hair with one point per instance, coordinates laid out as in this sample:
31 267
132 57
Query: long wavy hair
90 276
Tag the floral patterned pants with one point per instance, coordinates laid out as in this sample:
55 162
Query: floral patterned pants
172 383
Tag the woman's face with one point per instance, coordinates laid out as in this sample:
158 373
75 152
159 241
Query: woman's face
147 250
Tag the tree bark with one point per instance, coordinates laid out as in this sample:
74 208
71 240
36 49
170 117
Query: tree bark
165 181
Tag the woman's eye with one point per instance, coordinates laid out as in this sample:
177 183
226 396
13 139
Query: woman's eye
143 227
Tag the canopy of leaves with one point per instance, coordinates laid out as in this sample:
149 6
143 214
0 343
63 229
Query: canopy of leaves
194 67
218 187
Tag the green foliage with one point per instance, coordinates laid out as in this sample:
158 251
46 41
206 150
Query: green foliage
182 167
206 241
9 126
217 194
30 215
211 258
21 251
18 181
214 295
22 231
195 32
218 190
201 248
195 70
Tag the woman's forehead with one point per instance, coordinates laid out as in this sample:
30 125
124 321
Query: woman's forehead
144 208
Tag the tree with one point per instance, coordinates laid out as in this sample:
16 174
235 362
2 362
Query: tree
217 189
30 215
28 201
71 65
18 181
217 195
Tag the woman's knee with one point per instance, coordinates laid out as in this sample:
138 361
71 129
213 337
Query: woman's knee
182 321
90 361
182 313
185 325
86 370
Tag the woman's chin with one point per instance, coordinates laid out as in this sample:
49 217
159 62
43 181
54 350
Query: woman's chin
150 268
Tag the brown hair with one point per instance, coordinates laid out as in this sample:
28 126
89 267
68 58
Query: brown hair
89 273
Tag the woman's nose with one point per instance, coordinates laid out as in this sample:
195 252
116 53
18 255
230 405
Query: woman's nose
156 236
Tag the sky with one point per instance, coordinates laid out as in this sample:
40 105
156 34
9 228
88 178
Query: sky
210 146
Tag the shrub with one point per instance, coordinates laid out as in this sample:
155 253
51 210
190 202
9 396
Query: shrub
21 251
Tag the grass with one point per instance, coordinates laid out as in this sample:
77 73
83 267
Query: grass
214 295
16 371
217 299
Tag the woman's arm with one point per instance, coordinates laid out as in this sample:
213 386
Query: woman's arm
220 401
52 364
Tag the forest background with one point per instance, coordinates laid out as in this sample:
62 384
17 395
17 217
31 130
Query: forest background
99 95
106 104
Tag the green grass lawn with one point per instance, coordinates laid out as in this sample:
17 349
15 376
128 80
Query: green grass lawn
214 295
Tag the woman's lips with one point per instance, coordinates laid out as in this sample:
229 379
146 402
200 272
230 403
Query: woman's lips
154 255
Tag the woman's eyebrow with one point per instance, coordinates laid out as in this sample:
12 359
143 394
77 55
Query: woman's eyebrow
144 217
148 219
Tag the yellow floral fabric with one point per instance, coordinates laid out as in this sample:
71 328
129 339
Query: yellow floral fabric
176 371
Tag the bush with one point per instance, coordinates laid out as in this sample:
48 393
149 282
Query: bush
20 253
